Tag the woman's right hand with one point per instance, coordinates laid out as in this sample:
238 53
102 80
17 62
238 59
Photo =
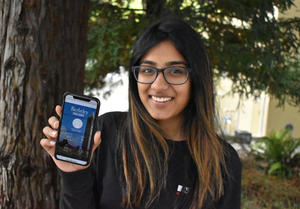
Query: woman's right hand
49 143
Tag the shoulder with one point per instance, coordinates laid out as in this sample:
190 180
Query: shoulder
110 124
231 179
113 116
231 155
111 119
232 160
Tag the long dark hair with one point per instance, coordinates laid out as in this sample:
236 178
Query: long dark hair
143 151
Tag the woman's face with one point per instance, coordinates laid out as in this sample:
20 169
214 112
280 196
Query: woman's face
164 101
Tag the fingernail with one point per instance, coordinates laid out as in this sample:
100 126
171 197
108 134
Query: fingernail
53 133
56 124
52 142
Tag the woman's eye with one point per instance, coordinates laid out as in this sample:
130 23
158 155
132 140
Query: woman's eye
177 71
147 70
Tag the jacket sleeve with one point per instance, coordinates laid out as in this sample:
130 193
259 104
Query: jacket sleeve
77 190
232 182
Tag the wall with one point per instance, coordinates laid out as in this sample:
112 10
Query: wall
278 117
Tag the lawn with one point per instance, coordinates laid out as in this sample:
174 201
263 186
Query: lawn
261 191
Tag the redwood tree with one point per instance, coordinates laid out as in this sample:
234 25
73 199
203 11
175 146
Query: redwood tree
42 55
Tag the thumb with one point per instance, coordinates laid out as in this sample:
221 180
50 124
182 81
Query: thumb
97 140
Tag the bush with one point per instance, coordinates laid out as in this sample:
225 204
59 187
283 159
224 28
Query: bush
279 152
268 192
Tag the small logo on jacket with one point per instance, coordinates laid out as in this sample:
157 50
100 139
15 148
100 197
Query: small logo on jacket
182 189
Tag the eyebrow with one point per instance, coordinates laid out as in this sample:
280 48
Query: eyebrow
167 64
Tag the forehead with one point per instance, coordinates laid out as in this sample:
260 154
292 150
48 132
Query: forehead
162 53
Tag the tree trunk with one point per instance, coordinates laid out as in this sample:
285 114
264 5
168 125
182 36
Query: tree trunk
42 55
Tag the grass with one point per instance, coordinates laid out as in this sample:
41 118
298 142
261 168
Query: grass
261 191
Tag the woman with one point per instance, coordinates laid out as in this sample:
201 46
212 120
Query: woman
165 152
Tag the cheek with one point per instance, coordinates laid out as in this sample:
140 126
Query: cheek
186 95
186 90
139 89
142 90
186 99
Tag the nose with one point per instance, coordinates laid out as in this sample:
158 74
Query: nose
160 82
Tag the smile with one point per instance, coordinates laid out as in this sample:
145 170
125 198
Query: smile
161 99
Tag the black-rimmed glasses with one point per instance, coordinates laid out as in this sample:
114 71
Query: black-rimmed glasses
175 75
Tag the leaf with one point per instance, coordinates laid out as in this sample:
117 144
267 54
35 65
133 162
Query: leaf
274 167
244 39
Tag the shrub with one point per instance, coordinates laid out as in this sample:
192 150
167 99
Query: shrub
268 192
279 152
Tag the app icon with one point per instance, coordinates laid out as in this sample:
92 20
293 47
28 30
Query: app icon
77 123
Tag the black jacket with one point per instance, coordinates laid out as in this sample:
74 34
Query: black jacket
98 187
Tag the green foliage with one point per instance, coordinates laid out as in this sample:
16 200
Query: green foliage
279 151
112 30
245 40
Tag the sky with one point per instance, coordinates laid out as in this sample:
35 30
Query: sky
117 100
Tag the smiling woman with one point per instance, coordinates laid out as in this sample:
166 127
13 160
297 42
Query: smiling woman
164 152
164 102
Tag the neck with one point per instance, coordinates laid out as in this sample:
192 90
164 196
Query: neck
172 129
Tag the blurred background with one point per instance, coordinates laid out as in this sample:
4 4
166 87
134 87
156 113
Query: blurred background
48 47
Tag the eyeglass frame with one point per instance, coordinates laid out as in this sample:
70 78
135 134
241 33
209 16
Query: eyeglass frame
161 70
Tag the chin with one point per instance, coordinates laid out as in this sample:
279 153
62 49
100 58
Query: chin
160 116
157 116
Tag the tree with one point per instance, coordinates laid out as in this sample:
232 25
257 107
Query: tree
245 40
42 54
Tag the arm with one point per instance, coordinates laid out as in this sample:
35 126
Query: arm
232 183
77 190
76 181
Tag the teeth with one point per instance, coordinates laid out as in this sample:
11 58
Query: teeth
161 99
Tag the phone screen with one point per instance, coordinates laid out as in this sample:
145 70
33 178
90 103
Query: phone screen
76 128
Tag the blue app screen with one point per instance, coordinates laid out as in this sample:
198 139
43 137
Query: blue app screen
77 122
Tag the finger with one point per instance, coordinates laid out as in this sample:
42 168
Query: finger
50 133
48 145
53 122
58 110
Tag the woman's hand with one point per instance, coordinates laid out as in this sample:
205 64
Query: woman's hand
49 143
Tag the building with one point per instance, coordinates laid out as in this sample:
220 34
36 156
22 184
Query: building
259 116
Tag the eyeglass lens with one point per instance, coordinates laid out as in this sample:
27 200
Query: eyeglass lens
173 75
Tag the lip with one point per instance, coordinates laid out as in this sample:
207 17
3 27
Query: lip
161 99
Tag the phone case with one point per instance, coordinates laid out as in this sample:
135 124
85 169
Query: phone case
67 148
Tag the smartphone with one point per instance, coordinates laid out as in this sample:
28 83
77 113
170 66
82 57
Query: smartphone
76 129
